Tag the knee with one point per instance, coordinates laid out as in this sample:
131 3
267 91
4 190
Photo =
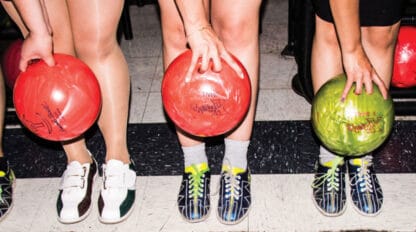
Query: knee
327 36
237 33
380 38
174 37
96 47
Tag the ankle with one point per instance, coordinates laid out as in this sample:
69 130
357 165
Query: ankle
82 157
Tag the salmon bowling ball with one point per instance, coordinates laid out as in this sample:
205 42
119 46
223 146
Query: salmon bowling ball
210 103
404 65
57 103
10 62
355 126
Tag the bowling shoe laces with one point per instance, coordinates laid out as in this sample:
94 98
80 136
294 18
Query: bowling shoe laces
329 187
194 193
234 195
118 191
7 181
74 199
366 193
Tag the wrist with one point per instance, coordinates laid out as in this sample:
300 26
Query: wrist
192 30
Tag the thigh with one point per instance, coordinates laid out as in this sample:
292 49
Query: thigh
94 23
172 26
171 20
61 27
14 15
232 13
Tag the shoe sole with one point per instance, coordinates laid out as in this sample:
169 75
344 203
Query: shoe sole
114 221
235 222
197 220
323 212
63 221
366 214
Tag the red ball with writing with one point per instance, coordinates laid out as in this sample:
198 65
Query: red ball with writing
57 103
209 103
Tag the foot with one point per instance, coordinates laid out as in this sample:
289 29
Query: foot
234 196
118 191
193 197
366 192
74 199
6 187
329 187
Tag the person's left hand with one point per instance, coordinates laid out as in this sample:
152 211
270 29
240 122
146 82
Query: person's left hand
359 69
206 45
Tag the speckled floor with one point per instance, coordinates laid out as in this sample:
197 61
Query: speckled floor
281 155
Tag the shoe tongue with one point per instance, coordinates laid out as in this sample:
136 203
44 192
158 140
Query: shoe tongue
334 162
195 168
234 170
359 162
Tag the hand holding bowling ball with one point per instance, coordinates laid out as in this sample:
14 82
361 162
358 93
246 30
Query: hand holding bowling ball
355 126
57 103
209 103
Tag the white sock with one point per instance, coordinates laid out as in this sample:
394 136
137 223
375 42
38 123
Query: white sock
325 155
367 159
194 154
236 153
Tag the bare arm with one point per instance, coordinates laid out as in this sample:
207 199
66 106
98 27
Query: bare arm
356 63
202 39
38 43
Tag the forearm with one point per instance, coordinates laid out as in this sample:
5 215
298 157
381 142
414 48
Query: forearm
34 16
193 15
347 23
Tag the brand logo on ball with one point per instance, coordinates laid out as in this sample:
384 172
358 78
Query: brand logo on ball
371 124
213 105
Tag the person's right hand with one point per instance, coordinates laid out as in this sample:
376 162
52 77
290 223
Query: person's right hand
36 46
206 45
359 69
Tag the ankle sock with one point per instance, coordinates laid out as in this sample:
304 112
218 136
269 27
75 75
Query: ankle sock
194 154
326 157
236 153
362 160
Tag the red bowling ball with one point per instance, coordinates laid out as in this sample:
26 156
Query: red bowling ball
57 103
404 68
10 62
210 103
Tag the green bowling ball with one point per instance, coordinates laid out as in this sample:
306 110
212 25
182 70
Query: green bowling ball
356 126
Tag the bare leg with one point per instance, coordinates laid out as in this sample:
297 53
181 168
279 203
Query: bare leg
2 110
94 26
63 43
174 43
379 44
14 15
326 55
237 25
